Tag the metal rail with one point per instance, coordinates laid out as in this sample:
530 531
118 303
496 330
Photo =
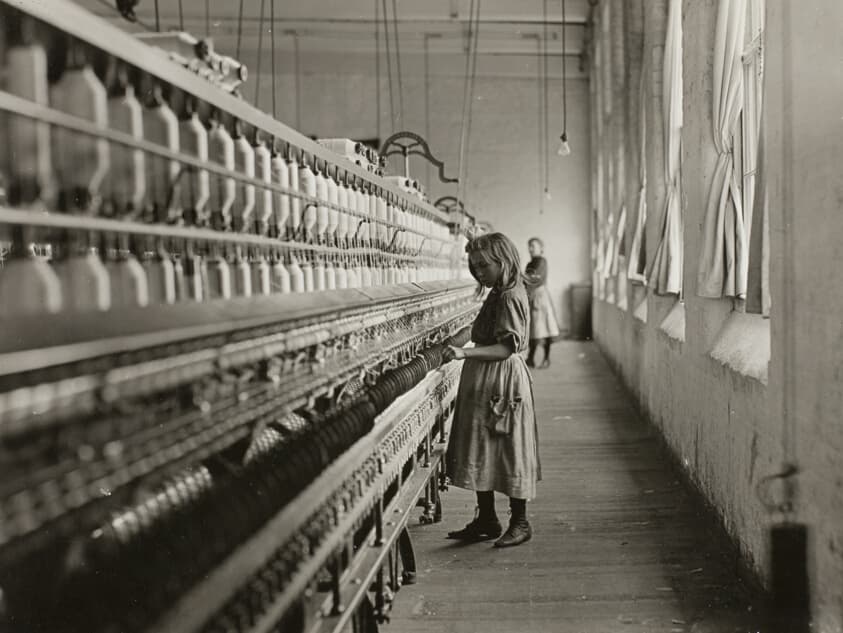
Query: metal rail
60 339
162 447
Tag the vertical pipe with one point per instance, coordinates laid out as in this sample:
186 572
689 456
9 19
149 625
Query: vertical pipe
398 63
545 148
540 140
379 522
389 70
427 101
378 71
298 79
336 595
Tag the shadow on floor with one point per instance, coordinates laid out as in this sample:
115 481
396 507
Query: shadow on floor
620 543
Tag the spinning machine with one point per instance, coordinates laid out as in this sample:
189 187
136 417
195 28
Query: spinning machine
222 395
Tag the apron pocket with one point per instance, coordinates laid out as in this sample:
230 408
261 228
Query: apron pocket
503 412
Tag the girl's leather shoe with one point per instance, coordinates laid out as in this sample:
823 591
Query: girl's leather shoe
478 530
519 531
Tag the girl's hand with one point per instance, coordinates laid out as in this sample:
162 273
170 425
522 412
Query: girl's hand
453 353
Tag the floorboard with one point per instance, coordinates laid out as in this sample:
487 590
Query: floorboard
619 544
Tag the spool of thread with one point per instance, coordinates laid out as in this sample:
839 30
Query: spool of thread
280 201
242 277
196 189
127 181
264 213
280 277
294 223
28 152
223 189
244 161
81 161
161 126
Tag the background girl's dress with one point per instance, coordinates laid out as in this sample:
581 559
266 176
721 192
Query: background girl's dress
494 436
543 322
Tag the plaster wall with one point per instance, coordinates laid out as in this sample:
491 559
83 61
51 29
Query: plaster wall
729 427
805 104
337 98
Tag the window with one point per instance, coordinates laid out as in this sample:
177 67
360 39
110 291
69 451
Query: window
750 122
734 209
749 141
606 47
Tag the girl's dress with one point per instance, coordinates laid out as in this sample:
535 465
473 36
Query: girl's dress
543 322
494 436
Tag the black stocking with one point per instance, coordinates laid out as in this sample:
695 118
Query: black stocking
486 503
531 357
518 507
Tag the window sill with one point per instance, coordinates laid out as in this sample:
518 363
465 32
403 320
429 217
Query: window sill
743 345
674 323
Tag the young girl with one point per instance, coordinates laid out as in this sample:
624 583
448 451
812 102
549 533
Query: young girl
543 327
494 440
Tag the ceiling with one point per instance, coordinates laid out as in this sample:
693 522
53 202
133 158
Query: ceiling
507 27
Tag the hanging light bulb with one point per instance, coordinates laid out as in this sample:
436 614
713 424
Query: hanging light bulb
547 195
564 148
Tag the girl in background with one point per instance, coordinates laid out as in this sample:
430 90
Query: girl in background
493 444
543 325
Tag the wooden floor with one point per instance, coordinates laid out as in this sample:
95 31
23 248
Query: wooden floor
619 544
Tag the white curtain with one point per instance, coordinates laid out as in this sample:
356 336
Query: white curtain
597 250
754 182
637 255
666 272
618 273
609 246
723 262
620 229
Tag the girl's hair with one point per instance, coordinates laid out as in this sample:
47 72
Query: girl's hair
537 241
497 248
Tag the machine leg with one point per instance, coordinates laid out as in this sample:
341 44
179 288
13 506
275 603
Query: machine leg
295 620
367 618
431 499
408 557
443 437
337 606
383 598
379 522
435 497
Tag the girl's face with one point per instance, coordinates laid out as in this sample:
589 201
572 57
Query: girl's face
487 272
534 248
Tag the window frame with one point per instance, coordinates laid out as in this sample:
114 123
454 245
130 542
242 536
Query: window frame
746 138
